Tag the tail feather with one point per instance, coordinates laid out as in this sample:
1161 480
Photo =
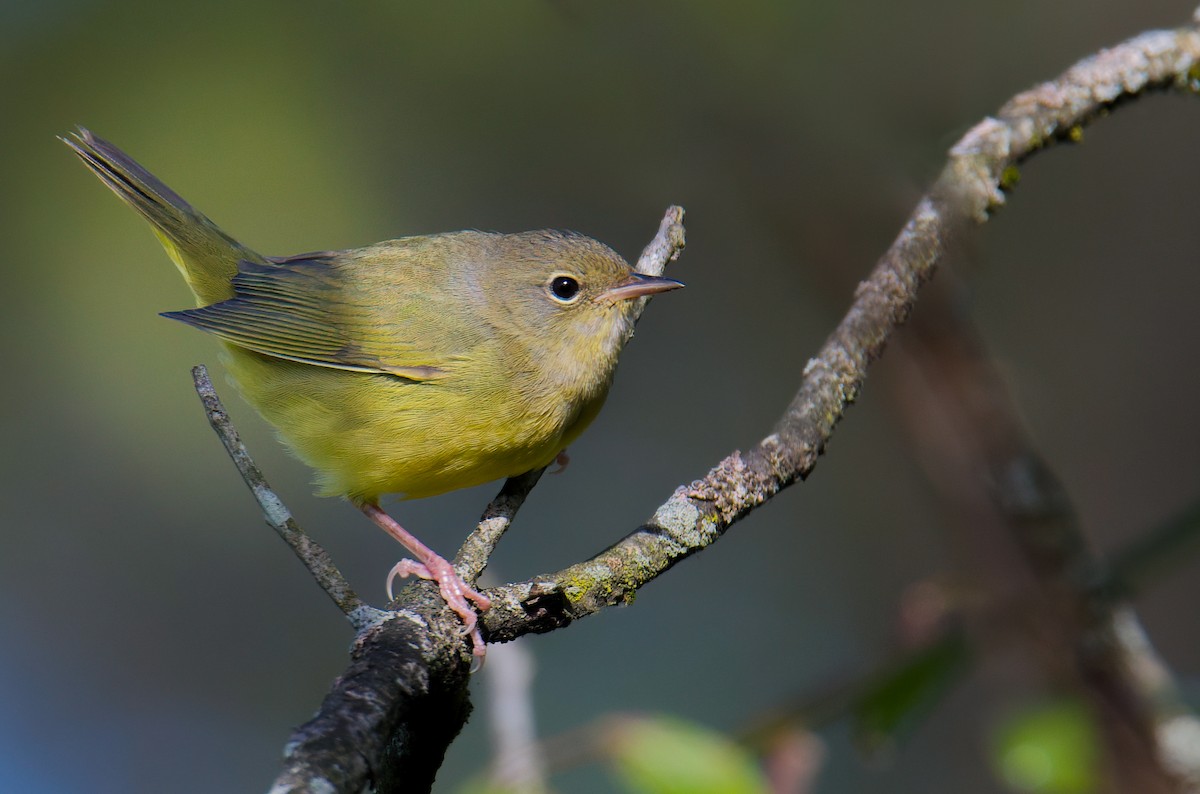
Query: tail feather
207 256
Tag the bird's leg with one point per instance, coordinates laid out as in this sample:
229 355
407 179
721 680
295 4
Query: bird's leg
562 460
429 565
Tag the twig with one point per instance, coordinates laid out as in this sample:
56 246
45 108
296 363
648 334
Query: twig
1151 555
666 246
477 549
1177 725
314 557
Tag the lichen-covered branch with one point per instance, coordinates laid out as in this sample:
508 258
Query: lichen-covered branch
391 730
393 713
970 185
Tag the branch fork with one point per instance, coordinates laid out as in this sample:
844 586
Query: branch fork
401 701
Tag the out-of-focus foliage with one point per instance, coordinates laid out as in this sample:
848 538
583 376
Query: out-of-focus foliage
663 755
653 754
1050 748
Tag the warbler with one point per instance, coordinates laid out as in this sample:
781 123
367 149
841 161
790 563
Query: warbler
413 366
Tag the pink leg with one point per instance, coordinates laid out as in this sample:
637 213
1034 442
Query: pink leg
562 460
429 565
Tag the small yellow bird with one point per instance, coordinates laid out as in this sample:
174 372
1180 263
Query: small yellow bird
413 366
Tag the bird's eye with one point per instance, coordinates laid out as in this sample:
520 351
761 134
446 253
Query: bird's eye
564 288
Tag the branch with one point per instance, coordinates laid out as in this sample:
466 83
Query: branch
389 718
393 713
311 553
477 549
969 187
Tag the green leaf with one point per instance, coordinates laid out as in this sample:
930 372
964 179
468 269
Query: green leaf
1050 748
664 755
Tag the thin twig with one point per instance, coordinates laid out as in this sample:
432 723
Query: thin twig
314 557
1176 723
477 549
1153 554
666 246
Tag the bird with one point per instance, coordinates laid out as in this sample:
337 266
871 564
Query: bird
411 367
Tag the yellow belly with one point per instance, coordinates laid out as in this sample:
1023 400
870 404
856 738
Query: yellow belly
367 435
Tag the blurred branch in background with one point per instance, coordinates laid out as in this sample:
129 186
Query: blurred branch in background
518 764
1029 552
391 715
658 753
885 704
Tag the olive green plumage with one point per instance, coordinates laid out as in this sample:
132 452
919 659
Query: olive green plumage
413 366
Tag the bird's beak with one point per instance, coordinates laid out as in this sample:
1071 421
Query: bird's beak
639 286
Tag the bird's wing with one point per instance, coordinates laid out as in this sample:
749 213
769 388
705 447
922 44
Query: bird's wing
315 309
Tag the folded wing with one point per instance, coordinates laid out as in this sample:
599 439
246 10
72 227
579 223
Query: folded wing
298 308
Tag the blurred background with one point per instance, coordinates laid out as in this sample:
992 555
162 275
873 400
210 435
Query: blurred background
158 637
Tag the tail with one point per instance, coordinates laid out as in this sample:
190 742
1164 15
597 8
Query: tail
206 256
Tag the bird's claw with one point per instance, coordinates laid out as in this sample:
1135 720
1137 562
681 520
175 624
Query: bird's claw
457 594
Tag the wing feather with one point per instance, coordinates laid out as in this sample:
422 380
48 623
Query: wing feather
297 308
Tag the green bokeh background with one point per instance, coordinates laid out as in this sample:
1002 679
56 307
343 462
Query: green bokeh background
157 637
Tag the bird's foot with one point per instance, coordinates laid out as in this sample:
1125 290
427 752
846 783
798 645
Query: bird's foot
561 461
457 594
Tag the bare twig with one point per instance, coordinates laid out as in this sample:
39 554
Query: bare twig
666 246
477 549
311 553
